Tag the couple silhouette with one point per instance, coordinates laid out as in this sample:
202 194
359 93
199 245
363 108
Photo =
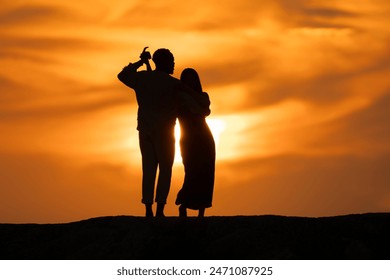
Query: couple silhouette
161 100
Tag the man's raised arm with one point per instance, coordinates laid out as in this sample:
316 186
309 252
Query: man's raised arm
127 73
126 76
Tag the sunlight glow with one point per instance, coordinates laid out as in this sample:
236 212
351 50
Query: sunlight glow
217 126
178 158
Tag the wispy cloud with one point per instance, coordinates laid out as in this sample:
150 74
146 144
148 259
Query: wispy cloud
305 186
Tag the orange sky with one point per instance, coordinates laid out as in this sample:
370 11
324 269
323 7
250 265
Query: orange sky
299 91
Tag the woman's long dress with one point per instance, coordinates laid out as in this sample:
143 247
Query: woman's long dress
198 153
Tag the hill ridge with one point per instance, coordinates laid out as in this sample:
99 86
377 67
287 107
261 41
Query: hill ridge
351 236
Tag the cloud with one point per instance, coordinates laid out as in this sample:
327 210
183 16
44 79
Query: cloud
363 131
325 88
13 45
47 188
303 186
30 14
83 102
321 72
320 14
174 15
48 15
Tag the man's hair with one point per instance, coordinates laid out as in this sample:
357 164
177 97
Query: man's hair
162 57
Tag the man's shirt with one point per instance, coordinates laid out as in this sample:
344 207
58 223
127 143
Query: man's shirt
156 97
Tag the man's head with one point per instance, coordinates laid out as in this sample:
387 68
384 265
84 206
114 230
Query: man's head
164 60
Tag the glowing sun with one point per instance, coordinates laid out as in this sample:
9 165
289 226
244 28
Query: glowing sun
217 126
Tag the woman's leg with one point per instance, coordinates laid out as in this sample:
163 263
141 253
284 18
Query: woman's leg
182 211
201 212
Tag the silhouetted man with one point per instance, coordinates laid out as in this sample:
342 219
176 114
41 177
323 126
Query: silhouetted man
158 94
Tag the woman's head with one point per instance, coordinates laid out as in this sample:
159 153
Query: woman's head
191 78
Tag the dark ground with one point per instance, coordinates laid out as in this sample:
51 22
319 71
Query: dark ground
353 237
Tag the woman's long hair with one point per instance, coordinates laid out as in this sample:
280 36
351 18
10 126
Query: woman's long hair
191 78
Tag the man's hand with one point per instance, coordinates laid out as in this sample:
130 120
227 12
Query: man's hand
145 56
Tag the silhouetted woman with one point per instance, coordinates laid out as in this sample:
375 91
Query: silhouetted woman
197 150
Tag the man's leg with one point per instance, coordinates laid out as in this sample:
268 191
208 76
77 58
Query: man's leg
165 150
149 170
